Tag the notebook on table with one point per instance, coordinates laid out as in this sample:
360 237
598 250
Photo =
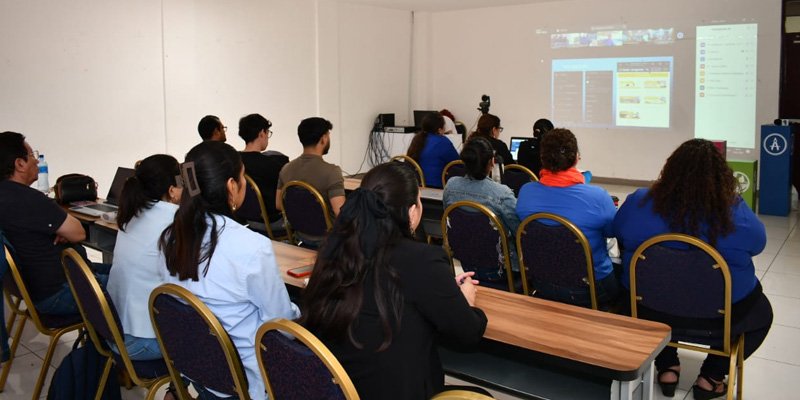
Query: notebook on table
96 209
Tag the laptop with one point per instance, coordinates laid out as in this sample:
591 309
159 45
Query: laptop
419 115
514 145
112 198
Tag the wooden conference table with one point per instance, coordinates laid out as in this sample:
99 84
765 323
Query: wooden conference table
602 344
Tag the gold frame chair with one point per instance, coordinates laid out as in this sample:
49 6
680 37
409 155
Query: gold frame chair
524 169
581 238
263 208
152 385
460 395
447 167
214 328
340 377
29 312
414 163
734 353
314 192
493 219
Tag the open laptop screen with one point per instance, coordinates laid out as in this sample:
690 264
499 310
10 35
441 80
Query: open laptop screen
513 146
420 115
115 191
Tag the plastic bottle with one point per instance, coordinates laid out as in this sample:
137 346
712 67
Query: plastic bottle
496 172
43 182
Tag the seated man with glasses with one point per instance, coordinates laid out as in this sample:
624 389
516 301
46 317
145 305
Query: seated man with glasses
38 228
262 167
211 128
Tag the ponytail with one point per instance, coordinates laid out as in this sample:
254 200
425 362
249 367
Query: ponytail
150 183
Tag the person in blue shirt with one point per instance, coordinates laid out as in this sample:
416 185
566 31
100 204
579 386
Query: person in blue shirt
562 191
477 186
432 150
696 194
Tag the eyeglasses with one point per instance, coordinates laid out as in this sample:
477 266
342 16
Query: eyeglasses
500 128
225 128
269 133
33 153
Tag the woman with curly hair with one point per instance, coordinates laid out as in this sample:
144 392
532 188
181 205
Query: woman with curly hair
696 194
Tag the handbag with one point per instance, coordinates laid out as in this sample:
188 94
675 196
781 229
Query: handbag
75 187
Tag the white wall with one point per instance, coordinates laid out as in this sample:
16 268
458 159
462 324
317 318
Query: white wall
82 80
96 84
491 51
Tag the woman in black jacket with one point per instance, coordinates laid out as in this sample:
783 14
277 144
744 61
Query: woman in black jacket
378 299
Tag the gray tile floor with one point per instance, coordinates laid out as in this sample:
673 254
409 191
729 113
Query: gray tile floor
769 374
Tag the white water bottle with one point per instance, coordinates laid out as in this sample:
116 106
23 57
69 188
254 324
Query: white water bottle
496 172
43 182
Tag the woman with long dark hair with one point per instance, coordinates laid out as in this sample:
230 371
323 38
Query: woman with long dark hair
432 150
489 128
229 267
696 194
147 205
378 299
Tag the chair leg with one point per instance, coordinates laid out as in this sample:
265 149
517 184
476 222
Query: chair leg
153 388
104 378
37 390
13 350
740 370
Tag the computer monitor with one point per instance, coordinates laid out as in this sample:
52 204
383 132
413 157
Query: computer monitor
419 115
115 191
513 146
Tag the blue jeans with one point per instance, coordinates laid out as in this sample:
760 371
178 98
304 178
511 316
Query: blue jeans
140 349
62 302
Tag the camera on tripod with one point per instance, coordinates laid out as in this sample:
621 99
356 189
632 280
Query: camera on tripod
483 106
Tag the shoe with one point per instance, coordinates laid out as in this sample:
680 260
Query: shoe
703 394
668 389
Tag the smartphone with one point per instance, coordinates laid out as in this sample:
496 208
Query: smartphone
300 272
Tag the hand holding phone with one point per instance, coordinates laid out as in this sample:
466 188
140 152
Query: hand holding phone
300 272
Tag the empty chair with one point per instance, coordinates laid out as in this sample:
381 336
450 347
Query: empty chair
453 168
183 326
691 282
287 360
557 259
254 210
515 175
475 236
102 322
308 218
53 326
412 164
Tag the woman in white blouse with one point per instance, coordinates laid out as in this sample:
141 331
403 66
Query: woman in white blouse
147 206
229 267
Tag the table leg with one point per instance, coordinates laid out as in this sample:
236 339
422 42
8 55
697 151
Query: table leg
640 389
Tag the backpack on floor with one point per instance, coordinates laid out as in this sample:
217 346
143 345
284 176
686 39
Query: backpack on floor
79 374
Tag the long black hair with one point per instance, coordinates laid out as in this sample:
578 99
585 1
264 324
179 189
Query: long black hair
149 184
356 254
182 242
476 154
430 126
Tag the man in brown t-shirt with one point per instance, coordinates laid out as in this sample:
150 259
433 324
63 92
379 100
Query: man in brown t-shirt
315 135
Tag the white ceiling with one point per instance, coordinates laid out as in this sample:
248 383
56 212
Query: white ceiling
440 5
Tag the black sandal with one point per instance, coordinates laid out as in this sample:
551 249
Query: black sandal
668 389
703 394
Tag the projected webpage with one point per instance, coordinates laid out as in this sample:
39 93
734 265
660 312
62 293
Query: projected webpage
606 92
725 83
